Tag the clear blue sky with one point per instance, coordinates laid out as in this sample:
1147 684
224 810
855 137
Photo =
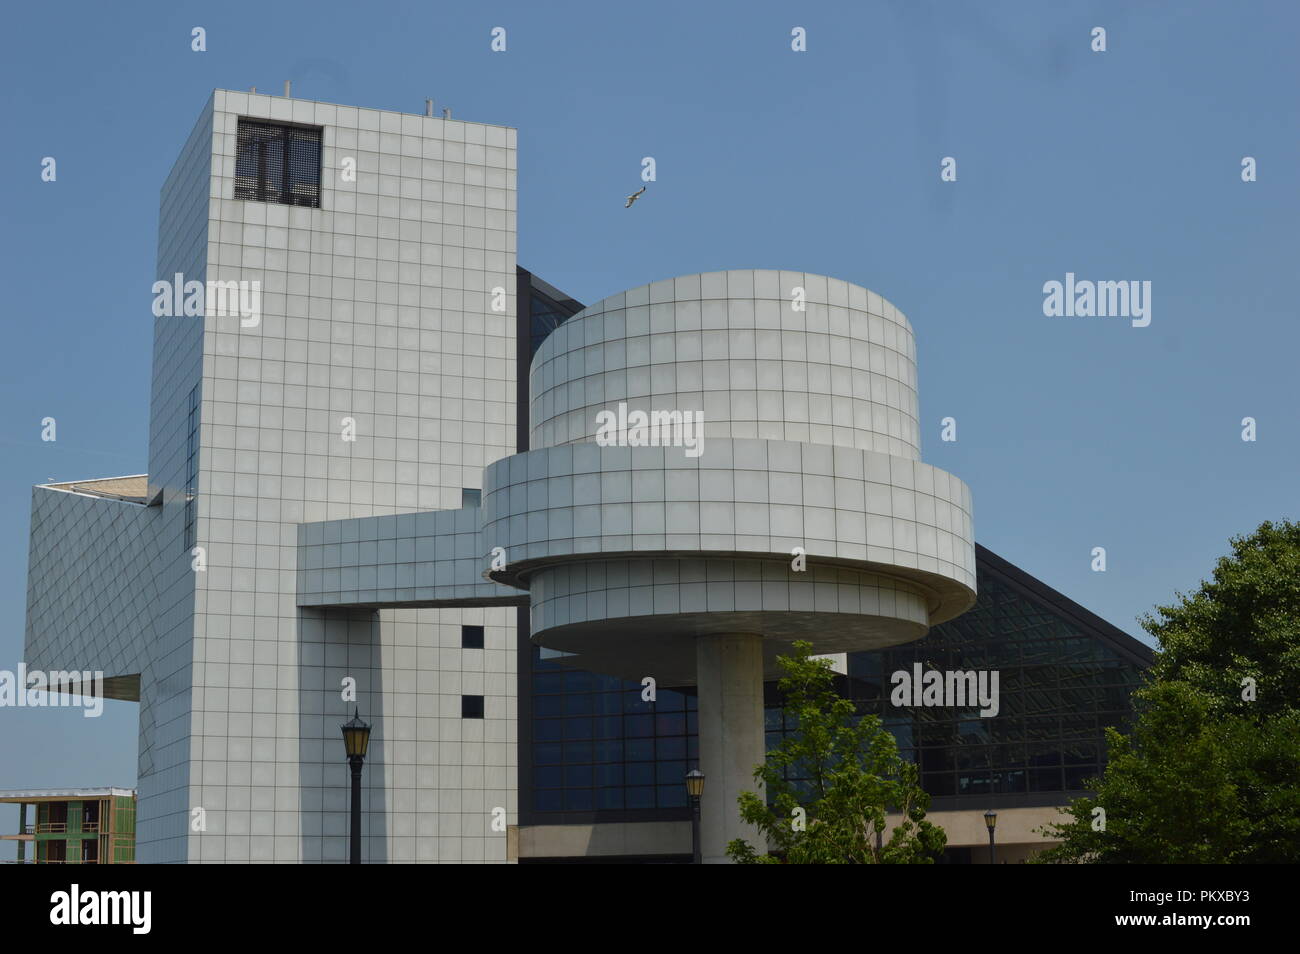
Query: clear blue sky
1073 433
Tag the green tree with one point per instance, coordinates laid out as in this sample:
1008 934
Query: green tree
853 775
1210 772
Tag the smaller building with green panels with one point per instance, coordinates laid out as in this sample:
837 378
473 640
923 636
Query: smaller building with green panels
89 826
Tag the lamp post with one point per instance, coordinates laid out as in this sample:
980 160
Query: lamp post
991 820
695 788
356 737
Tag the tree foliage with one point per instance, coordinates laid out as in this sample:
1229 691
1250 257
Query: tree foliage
1210 772
853 777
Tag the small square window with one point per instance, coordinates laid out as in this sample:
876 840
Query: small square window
471 707
471 637
278 163
471 497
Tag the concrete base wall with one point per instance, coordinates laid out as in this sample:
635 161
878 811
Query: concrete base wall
603 840
1017 839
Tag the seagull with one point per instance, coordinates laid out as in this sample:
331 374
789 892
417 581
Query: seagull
633 197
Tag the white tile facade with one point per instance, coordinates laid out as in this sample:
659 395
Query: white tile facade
375 307
742 496
323 553
406 558
809 445
840 370
629 553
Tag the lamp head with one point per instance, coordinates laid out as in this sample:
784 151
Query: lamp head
356 736
695 783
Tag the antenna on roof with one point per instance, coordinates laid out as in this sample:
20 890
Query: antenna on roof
446 112
428 107
252 89
286 89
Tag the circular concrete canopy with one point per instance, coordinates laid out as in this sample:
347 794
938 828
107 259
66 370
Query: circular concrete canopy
631 651
639 617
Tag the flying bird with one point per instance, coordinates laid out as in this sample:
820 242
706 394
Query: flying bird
633 197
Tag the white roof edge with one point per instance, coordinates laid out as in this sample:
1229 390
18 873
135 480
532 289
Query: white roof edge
67 792
58 484
376 109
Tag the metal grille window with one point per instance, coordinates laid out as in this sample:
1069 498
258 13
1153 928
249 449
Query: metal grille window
191 468
278 163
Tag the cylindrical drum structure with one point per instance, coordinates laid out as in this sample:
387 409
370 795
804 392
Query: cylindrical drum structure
728 452
721 464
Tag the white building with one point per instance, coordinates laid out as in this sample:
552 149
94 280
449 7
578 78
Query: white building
374 307
361 482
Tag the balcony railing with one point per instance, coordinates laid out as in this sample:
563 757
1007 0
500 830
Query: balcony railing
51 828
36 861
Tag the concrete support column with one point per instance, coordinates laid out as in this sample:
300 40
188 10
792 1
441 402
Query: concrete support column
732 741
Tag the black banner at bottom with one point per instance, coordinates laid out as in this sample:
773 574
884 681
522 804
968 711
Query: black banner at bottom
139 903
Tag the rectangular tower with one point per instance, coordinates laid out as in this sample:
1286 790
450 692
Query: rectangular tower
355 357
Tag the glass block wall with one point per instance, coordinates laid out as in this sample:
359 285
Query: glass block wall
1064 675
598 746
1059 687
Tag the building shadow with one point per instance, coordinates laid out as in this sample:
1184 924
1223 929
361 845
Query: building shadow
335 646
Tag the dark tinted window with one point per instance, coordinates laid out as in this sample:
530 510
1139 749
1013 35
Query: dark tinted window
1059 686
278 163
544 316
191 468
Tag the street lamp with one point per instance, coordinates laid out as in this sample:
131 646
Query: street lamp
695 788
991 820
356 737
